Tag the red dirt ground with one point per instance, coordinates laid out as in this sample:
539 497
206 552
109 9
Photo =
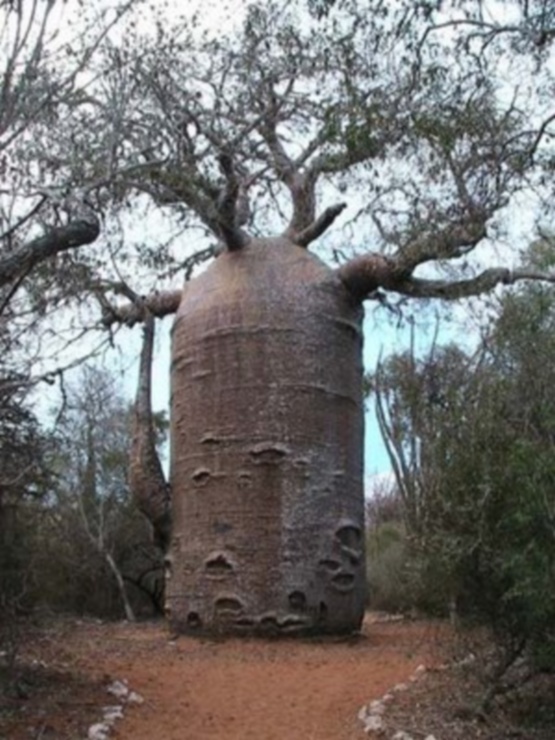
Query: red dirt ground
200 689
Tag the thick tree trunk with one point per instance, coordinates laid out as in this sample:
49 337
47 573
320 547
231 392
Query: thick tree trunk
146 477
267 432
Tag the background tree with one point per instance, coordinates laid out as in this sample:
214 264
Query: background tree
24 454
92 497
471 441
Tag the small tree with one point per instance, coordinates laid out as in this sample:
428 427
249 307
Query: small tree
472 446
92 495
24 453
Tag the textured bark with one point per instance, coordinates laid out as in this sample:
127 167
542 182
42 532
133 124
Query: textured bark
146 477
157 304
60 239
267 431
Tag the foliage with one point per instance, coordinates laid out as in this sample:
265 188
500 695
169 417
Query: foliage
471 439
73 530
24 455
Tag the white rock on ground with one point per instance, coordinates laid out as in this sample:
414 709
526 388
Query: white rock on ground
119 689
402 735
376 707
100 731
111 714
374 723
400 687
363 713
135 698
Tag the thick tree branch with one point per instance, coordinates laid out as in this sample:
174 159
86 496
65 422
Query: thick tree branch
452 241
301 182
364 275
319 226
232 207
158 304
447 290
60 239
146 477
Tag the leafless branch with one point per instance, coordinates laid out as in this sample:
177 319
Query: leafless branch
319 226
231 206
158 304
451 241
482 283
59 239
23 220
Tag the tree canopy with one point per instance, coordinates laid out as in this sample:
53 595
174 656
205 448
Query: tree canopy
415 127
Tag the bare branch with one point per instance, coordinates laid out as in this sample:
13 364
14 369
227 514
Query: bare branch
23 220
158 304
300 182
365 274
452 241
481 283
230 206
319 226
60 239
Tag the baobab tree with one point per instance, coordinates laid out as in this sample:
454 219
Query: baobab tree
266 379
303 116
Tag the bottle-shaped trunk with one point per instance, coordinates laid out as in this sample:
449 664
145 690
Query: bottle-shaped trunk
267 438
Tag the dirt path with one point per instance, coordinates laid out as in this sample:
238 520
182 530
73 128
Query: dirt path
241 689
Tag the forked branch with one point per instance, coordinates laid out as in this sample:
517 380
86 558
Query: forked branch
366 274
157 304
449 242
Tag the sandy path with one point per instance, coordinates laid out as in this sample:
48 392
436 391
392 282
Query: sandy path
250 689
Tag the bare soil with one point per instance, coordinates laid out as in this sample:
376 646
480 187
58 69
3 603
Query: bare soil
237 689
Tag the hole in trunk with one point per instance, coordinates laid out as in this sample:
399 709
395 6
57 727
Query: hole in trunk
244 479
349 535
245 622
343 580
322 612
209 439
292 623
229 605
330 564
218 564
297 601
201 476
193 620
269 622
168 565
268 454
